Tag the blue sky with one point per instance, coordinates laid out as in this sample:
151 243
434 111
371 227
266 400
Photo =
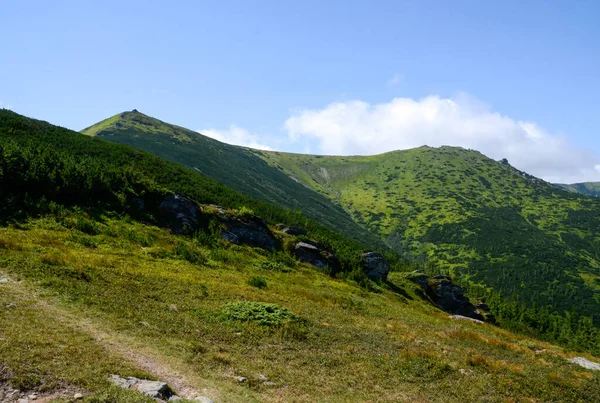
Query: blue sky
510 78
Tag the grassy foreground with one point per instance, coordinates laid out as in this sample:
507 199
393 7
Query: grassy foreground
129 300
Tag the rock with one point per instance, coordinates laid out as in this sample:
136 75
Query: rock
240 379
203 399
3 280
311 252
23 401
121 382
290 230
32 397
154 389
489 318
421 279
77 396
175 398
482 306
261 377
268 383
451 298
138 203
11 305
375 265
460 317
179 213
585 363
250 230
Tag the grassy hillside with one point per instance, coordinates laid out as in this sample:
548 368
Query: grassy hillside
236 167
131 305
586 188
87 291
462 212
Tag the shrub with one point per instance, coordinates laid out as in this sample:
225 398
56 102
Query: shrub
258 312
189 253
274 266
257 282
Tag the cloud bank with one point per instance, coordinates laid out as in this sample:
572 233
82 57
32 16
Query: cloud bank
237 136
360 128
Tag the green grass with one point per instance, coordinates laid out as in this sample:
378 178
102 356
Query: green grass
327 340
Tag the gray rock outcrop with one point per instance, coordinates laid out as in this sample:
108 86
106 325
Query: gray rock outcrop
311 252
375 265
179 213
249 230
448 296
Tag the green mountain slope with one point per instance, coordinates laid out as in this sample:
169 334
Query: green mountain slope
585 188
88 290
465 213
236 167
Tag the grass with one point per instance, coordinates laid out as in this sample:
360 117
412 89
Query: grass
332 341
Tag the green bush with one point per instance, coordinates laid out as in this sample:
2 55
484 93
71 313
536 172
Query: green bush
257 312
274 266
189 253
257 282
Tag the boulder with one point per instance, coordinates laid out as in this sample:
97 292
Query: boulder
447 296
179 213
375 265
311 252
249 230
420 279
153 389
451 298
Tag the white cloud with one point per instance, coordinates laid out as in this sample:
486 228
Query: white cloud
396 79
357 127
237 136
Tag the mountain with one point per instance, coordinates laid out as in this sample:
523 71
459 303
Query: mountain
447 209
94 287
585 188
472 216
236 167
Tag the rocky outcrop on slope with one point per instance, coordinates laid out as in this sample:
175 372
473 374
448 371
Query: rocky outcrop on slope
375 265
313 253
448 296
249 230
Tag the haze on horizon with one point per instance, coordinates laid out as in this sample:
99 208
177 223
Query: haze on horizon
511 80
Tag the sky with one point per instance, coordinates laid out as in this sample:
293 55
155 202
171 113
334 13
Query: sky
513 79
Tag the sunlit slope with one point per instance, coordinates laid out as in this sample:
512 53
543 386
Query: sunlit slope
461 211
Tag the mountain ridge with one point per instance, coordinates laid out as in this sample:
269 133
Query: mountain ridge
236 167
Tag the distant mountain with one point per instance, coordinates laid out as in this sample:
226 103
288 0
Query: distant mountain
239 168
585 188
468 214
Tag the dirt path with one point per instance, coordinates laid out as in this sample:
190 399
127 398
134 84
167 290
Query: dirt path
165 368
